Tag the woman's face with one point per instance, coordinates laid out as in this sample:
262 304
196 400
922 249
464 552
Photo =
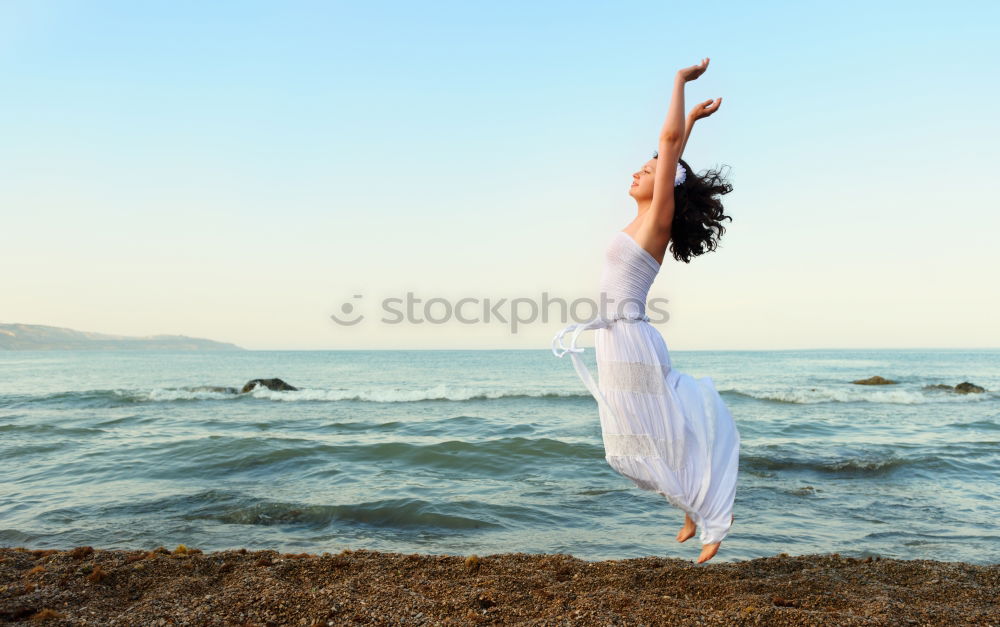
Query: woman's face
642 181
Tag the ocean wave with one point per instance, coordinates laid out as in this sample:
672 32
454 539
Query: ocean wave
988 425
48 429
857 394
175 394
850 465
398 513
792 395
397 395
492 458
370 395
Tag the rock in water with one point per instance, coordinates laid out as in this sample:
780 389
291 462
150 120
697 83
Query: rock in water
939 386
271 384
876 380
969 388
962 388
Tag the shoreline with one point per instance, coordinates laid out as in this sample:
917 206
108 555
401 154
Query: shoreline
242 587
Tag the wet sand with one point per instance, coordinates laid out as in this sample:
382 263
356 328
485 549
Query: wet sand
84 586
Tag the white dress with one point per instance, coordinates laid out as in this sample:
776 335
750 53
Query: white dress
665 430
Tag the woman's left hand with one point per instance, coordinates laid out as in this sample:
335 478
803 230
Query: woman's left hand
705 109
694 71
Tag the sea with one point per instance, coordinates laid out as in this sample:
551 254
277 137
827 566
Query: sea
480 452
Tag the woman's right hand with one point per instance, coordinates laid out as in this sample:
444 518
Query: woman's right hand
694 71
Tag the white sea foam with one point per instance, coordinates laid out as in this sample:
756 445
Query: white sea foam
374 395
857 394
179 394
798 395
400 395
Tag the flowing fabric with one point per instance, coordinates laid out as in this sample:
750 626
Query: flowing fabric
665 430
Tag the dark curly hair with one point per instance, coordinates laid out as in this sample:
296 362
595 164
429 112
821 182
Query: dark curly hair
698 213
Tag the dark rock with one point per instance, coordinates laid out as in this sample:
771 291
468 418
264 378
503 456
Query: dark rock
968 388
876 380
271 384
962 388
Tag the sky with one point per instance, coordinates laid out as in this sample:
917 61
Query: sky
242 171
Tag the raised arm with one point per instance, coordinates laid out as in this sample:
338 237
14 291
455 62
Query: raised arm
699 111
688 125
673 137
669 148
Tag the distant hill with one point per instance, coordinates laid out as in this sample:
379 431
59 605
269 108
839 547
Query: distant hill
40 337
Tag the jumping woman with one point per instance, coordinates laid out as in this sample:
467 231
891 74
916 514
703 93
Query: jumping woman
665 430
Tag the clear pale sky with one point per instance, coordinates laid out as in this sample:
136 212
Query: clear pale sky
239 170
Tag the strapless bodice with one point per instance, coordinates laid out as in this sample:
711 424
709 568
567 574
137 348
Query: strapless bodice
629 272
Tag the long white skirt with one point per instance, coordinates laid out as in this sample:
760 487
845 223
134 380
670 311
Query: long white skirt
665 430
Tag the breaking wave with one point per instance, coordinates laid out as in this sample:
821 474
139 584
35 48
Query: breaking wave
372 395
858 394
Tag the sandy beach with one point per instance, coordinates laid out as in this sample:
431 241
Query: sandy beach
185 586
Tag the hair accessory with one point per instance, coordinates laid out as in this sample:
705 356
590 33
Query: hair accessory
680 176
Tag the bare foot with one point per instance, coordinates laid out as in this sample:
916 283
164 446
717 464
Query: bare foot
687 530
708 551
